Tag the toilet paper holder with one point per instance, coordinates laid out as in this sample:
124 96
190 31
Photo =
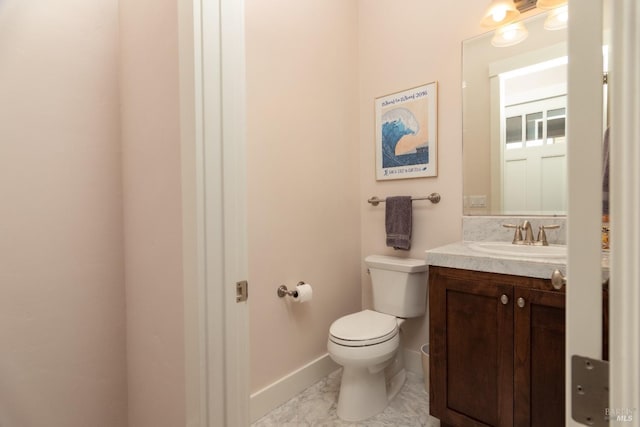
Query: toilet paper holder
283 291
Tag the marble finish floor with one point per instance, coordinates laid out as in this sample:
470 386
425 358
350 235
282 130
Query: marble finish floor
316 406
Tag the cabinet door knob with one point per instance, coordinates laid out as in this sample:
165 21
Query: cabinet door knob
520 302
504 299
558 280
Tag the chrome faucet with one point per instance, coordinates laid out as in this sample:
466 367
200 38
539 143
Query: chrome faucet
528 239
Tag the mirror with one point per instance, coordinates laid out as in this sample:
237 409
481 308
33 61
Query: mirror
514 109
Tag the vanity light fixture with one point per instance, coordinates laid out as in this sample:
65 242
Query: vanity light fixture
550 4
557 19
500 12
509 35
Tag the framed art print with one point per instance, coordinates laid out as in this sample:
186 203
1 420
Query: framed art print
407 133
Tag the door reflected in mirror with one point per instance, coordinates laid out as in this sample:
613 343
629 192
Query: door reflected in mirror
514 124
533 138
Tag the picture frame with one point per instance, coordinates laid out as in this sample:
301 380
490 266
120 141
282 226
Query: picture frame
407 133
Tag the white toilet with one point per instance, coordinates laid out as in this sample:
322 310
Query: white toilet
366 343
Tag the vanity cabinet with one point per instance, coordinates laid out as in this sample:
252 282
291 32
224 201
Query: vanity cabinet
497 349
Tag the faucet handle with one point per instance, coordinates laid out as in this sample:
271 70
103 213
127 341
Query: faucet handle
517 235
542 236
550 227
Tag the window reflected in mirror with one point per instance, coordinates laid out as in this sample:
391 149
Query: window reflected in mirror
537 128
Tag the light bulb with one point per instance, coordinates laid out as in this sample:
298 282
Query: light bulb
499 14
509 34
563 16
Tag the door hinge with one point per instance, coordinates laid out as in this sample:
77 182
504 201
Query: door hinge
242 291
605 78
590 391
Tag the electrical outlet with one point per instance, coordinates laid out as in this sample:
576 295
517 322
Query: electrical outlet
478 201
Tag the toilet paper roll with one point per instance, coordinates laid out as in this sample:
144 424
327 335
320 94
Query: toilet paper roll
305 293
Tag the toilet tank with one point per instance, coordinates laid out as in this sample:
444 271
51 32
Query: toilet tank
399 285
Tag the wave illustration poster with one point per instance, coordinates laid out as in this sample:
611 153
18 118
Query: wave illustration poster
406 133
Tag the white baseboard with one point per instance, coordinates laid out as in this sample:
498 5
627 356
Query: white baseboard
265 400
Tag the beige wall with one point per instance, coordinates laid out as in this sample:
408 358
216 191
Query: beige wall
303 176
314 69
62 306
152 212
300 70
402 45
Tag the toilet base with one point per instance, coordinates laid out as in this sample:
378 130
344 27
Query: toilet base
395 384
364 394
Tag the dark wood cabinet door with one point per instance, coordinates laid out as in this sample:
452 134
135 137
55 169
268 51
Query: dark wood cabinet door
539 363
471 348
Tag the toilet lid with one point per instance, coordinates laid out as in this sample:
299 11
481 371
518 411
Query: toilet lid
364 328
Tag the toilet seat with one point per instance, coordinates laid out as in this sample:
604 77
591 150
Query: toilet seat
364 328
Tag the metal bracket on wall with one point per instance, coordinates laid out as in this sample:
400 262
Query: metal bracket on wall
590 391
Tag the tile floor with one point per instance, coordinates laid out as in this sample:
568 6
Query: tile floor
316 406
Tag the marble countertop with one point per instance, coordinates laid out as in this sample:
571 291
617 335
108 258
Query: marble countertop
460 255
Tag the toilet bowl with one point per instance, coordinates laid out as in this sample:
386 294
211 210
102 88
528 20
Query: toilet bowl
365 343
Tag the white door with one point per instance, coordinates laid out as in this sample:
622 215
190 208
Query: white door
584 292
534 144
212 122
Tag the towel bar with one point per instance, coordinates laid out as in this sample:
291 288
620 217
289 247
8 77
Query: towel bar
433 198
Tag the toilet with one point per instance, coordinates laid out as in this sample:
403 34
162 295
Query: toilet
366 343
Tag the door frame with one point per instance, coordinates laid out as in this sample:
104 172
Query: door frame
212 115
624 199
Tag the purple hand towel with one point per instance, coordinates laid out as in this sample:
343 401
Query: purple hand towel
398 222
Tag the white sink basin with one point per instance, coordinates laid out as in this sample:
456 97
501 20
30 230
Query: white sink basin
521 251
